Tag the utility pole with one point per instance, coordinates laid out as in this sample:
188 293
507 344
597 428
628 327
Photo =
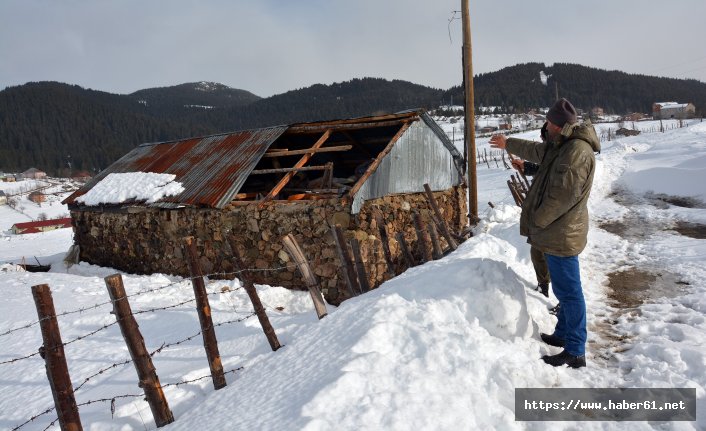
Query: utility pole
469 121
556 90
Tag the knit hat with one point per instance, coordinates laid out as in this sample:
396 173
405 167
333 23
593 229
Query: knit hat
562 112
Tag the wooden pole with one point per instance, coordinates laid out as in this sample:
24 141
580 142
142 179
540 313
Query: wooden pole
422 244
346 262
249 287
203 309
146 373
52 351
515 196
470 135
405 249
442 221
437 253
384 238
312 283
360 266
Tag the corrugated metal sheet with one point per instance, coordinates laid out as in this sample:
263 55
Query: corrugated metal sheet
418 157
211 169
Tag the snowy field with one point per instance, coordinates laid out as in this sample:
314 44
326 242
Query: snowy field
443 346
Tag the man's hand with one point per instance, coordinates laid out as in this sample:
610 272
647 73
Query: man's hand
498 141
518 164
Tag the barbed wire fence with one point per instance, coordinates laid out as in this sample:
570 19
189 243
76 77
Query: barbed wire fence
142 360
45 351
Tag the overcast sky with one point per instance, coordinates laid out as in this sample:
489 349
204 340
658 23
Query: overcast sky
273 46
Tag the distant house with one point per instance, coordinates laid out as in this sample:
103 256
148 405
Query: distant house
40 226
488 129
37 197
537 121
665 110
597 111
505 125
3 198
34 173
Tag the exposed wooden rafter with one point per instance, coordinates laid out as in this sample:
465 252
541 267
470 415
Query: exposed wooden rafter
284 153
305 158
284 170
318 128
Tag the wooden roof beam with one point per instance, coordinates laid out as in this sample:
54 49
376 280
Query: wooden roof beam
315 128
284 153
305 158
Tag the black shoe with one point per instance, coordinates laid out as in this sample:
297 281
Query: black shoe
543 288
565 358
552 340
555 309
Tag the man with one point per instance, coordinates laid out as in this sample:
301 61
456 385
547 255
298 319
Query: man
555 218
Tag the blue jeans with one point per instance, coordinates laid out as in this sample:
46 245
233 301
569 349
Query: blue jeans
566 284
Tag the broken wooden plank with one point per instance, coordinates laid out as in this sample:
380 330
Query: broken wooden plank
441 221
346 262
422 244
305 158
384 238
312 283
405 249
283 153
360 266
284 170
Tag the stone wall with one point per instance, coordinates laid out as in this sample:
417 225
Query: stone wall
145 240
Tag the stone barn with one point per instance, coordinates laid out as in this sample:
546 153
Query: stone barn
259 185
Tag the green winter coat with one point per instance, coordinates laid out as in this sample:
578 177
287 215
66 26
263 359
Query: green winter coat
555 215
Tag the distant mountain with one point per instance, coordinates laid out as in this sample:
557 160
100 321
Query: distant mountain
166 101
533 85
50 125
357 97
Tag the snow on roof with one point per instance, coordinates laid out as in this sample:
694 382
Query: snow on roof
139 186
66 222
671 105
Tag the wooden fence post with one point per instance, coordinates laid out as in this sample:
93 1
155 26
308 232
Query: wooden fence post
442 222
405 249
52 351
249 287
146 373
346 262
290 243
203 308
360 266
437 252
385 244
422 244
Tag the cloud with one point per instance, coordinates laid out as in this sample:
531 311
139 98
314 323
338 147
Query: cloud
272 46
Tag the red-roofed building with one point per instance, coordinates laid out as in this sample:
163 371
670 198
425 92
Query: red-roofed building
41 226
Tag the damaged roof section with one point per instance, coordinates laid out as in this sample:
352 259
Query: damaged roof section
301 161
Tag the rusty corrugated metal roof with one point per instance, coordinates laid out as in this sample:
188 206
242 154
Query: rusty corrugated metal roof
211 169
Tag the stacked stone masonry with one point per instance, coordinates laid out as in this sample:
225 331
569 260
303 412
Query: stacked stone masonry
146 240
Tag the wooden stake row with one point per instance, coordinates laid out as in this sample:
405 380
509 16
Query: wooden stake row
53 352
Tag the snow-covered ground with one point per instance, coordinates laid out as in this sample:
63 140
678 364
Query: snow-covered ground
443 346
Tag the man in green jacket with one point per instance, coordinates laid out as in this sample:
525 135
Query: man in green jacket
555 218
